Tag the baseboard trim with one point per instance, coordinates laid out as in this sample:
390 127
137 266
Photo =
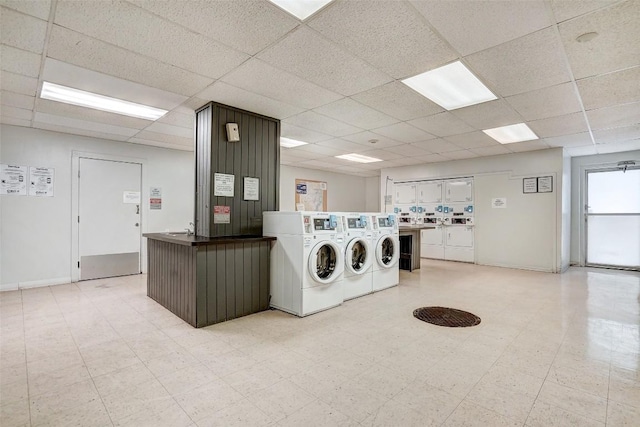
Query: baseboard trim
34 284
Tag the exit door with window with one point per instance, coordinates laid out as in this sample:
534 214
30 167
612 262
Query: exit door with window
109 218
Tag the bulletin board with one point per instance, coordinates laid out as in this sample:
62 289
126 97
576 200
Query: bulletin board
311 195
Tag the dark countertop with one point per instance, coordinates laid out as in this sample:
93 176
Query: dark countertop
191 240
415 227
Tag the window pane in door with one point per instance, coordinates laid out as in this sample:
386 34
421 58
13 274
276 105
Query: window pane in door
614 240
614 191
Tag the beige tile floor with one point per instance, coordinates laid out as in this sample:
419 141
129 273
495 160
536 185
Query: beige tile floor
552 350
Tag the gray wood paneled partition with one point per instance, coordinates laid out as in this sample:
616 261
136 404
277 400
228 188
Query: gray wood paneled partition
256 155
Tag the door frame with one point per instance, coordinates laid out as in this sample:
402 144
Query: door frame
75 202
584 214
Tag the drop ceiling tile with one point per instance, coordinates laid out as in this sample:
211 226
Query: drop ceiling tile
564 10
610 89
81 78
39 9
288 130
259 77
548 102
410 150
575 140
261 23
289 156
328 66
18 84
617 116
398 100
74 48
475 139
437 146
617 45
618 147
161 137
119 23
341 144
15 113
522 65
488 115
316 164
408 161
89 114
609 136
403 132
161 144
366 136
519 147
22 31
15 122
19 61
368 174
459 155
170 130
77 131
433 158
239 98
472 26
355 113
178 117
321 123
382 154
443 124
560 125
581 151
320 150
17 100
491 151
389 35
68 122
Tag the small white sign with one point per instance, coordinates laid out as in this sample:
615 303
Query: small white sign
545 184
529 185
155 198
499 203
251 188
41 181
132 197
155 192
299 206
13 180
222 214
223 184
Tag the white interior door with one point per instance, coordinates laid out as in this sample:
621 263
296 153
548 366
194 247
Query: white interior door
613 218
109 218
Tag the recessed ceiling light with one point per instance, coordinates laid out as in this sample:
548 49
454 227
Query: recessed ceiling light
301 9
358 158
512 133
288 143
82 98
451 86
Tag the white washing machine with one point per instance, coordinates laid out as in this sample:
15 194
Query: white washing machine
385 269
358 255
307 261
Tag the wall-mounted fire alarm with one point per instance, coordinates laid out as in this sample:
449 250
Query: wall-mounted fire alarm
233 135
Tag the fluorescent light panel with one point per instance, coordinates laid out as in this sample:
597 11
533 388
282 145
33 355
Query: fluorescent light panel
451 86
70 95
512 133
301 9
358 158
288 142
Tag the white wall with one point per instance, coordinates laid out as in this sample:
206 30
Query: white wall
565 250
579 166
528 233
344 192
36 231
372 194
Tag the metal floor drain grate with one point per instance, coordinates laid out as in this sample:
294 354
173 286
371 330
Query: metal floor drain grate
443 316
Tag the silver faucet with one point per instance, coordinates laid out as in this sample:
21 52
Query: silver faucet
191 230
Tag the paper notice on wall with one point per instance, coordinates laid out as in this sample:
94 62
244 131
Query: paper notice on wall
222 214
155 198
499 203
13 180
41 181
251 188
223 184
545 184
132 197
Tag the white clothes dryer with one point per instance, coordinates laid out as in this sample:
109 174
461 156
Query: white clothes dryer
307 261
358 255
386 269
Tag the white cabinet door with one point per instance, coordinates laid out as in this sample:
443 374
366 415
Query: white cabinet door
431 236
459 236
405 194
459 190
430 192
109 220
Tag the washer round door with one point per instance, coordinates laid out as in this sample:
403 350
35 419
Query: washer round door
358 256
388 251
325 262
